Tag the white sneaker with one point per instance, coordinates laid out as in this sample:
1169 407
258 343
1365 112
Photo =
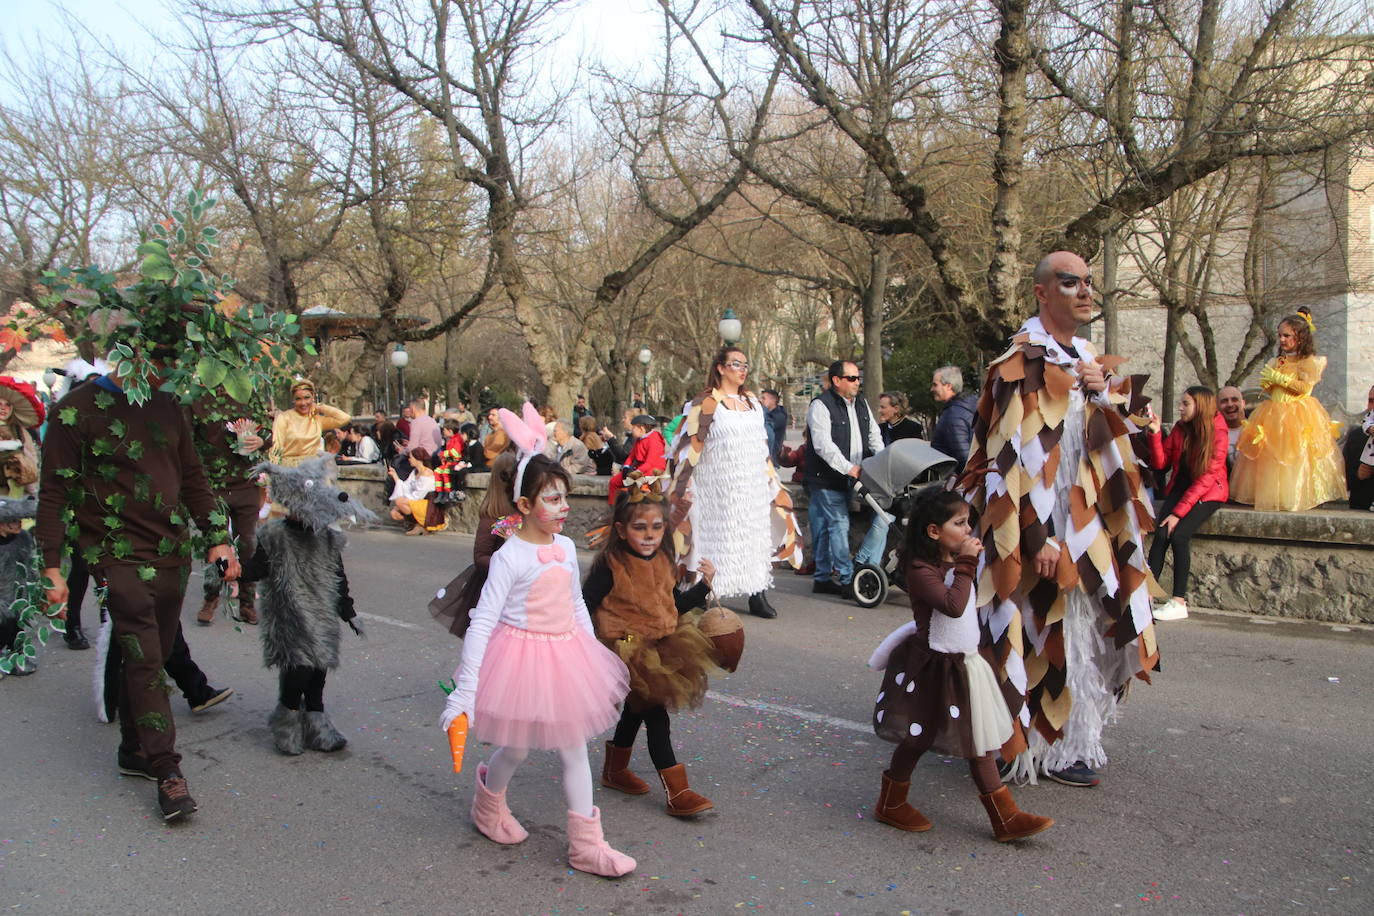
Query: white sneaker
1172 610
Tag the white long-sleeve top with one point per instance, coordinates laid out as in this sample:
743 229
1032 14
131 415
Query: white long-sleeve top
416 486
841 455
527 588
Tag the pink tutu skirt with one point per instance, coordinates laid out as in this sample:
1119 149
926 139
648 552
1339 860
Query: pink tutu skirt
544 691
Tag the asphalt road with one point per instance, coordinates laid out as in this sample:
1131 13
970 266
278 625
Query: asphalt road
1239 784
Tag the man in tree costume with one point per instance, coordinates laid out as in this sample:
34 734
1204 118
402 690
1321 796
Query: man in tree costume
121 477
136 469
1065 592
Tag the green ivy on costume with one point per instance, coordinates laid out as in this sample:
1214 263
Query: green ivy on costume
34 620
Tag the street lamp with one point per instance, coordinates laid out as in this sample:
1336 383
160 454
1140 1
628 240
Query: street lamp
645 356
729 327
400 358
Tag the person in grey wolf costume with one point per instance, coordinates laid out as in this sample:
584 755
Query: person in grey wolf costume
302 597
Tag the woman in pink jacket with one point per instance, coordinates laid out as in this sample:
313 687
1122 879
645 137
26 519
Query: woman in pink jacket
1194 453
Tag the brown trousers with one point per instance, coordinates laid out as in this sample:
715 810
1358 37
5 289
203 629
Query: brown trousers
145 618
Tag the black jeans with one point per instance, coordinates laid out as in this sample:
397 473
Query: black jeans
1183 532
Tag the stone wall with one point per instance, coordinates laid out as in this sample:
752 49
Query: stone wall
1315 565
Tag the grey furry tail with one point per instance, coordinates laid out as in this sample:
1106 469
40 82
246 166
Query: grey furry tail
102 655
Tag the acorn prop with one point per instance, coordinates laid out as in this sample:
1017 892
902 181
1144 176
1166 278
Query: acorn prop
723 627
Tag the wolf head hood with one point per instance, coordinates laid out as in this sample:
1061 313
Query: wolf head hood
309 494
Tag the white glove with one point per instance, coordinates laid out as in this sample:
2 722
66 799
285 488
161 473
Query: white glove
458 703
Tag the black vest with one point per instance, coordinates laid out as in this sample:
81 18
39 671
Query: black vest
818 472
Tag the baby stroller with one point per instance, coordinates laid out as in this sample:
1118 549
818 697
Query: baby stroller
887 483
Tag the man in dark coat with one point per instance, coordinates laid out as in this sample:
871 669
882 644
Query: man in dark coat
954 429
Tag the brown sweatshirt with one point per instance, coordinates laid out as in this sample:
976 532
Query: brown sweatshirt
126 472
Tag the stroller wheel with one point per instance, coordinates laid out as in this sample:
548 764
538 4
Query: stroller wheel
870 586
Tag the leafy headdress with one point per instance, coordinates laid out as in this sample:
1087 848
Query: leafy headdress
176 327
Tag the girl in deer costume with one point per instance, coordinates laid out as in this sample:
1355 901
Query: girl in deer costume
532 675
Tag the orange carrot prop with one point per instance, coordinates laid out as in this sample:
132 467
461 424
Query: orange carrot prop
457 740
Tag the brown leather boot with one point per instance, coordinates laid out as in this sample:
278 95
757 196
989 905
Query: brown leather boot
682 801
893 810
615 772
1008 821
206 615
247 612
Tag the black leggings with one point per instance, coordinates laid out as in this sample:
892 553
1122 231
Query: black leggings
1183 533
656 729
301 684
983 769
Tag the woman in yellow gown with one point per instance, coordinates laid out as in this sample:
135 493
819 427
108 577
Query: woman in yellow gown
296 432
1286 458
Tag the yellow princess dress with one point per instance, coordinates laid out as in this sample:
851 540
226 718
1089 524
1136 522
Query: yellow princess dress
1286 458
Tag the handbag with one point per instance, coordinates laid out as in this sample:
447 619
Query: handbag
435 516
726 631
452 605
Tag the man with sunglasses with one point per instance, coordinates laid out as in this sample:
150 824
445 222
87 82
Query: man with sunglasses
1062 514
843 433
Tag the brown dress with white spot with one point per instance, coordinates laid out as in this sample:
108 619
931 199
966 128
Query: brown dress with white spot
938 686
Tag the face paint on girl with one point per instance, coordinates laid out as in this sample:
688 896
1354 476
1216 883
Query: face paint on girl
644 531
549 511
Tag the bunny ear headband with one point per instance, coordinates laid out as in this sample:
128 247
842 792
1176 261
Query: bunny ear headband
529 436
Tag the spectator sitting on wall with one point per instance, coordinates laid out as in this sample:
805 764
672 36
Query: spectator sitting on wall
893 422
954 428
597 448
1358 449
648 455
1231 406
358 448
570 451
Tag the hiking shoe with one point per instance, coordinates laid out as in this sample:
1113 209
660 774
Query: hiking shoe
213 697
132 763
174 798
1080 775
1174 609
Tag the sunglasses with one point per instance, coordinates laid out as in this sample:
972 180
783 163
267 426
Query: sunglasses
852 378
1069 282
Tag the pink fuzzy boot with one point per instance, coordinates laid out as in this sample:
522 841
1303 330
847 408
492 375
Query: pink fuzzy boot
491 816
588 850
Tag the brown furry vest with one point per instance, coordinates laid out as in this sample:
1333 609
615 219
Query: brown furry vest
641 600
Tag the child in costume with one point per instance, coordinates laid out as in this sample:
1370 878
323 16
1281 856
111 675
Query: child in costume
17 577
1286 457
533 676
640 615
648 456
938 689
302 597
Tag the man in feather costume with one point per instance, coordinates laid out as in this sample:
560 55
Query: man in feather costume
1065 591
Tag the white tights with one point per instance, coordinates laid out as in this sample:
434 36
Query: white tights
577 774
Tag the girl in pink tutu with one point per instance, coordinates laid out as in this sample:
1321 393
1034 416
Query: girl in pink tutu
533 676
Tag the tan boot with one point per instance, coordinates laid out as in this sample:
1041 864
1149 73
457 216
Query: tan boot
682 801
1008 821
247 612
893 810
615 772
206 615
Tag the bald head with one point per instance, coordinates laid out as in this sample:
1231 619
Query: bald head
1064 294
1231 406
